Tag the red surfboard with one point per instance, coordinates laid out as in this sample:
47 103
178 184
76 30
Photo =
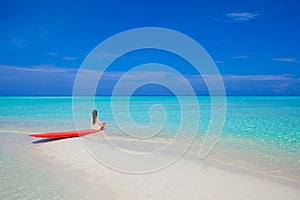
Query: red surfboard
67 134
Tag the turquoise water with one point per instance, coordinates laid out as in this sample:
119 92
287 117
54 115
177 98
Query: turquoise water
270 121
22 176
261 133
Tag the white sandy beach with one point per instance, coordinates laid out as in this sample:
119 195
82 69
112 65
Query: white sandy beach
185 179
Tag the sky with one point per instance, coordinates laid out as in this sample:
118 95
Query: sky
255 44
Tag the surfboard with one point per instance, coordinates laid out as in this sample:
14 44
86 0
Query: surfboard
67 134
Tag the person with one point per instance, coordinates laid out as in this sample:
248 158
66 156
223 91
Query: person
96 123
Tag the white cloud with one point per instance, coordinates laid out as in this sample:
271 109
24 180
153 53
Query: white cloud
52 54
285 60
19 42
149 75
219 62
242 16
239 57
37 68
173 77
46 75
69 58
261 84
282 77
102 55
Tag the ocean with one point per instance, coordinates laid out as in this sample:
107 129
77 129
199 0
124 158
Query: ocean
260 133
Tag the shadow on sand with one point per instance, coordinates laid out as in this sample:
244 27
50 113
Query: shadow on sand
45 140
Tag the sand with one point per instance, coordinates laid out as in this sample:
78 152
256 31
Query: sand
187 178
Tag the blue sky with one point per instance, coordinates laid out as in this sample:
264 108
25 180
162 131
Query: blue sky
255 44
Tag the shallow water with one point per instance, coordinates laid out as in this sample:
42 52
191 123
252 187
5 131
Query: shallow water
261 133
24 177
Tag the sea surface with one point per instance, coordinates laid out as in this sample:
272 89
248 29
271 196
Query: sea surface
260 133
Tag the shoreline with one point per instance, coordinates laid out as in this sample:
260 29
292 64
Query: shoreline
191 155
77 175
23 176
181 180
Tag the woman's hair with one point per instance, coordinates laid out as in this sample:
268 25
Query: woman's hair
94 115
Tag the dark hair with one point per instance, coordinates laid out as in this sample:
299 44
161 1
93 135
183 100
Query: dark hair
94 115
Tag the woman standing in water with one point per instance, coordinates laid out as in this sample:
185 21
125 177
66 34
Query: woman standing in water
96 123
